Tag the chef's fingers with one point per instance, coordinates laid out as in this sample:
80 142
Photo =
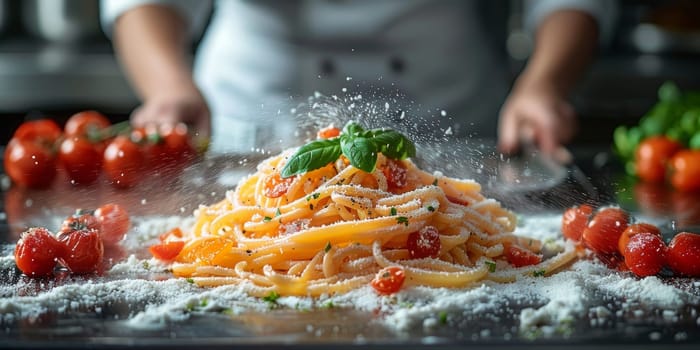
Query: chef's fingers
508 138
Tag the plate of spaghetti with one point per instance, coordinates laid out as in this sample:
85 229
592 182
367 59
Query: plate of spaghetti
351 209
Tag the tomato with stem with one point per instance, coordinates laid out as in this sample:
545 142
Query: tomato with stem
89 124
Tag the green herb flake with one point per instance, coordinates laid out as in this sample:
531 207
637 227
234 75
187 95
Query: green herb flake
392 211
190 280
328 247
402 220
316 195
442 316
204 303
491 265
435 182
328 305
431 208
267 219
278 212
539 273
146 265
272 297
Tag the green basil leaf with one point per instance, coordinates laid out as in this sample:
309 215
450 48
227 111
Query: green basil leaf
352 129
361 152
393 144
312 156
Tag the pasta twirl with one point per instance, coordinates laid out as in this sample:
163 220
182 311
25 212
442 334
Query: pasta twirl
330 230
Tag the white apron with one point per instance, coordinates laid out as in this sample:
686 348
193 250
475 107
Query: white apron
258 59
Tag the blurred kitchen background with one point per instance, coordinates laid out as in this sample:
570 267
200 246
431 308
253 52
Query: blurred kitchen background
55 60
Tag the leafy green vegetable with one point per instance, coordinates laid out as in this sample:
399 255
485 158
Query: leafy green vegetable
360 146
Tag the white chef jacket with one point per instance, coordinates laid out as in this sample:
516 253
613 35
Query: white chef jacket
430 63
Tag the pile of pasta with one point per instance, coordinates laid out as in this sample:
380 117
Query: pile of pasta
335 227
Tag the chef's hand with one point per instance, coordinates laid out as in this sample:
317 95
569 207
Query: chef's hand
538 114
187 106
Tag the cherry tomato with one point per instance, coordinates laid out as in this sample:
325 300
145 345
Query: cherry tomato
645 254
328 133
167 250
651 157
388 280
575 220
80 221
82 160
603 231
29 164
519 257
115 223
42 131
685 170
633 230
123 162
37 252
84 251
87 124
276 186
424 243
396 174
683 255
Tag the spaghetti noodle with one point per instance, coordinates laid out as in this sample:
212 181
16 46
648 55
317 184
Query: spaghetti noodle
330 230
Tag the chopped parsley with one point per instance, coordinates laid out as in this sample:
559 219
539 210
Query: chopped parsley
443 317
491 265
278 212
392 211
402 220
328 247
272 297
435 182
431 208
539 273
267 219
190 280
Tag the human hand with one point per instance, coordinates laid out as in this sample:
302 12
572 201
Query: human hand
538 114
187 107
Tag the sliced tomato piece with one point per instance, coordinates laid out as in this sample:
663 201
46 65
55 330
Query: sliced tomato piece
166 251
520 257
388 280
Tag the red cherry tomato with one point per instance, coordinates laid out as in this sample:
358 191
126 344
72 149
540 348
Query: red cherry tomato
575 220
37 252
42 131
328 133
79 221
424 243
603 231
166 251
635 229
276 186
683 255
396 175
82 160
29 164
388 280
645 254
87 124
651 157
84 251
123 162
685 170
178 143
115 223
519 257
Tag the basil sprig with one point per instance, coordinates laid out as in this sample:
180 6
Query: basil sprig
360 146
